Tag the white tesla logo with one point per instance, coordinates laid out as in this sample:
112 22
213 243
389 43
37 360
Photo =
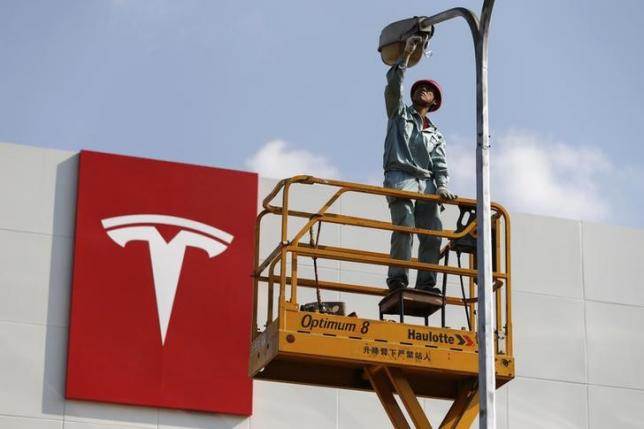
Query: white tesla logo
166 257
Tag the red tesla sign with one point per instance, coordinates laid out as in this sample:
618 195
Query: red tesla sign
161 294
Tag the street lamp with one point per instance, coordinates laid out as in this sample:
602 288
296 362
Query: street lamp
424 26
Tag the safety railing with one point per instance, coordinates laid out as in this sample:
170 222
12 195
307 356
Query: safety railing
295 247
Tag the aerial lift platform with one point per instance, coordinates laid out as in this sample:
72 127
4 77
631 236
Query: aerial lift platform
317 344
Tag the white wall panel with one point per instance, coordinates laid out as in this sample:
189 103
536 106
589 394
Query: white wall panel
282 405
615 345
546 256
37 189
437 409
613 268
361 410
65 170
24 189
35 277
32 365
175 419
92 425
541 404
112 414
7 422
549 337
616 408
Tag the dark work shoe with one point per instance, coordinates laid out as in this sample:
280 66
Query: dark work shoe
396 283
433 290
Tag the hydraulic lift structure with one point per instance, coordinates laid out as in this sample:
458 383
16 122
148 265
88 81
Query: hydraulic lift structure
398 352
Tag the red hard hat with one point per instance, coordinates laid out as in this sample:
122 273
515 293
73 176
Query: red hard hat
438 93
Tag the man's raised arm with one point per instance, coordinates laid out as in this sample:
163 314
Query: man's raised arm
395 76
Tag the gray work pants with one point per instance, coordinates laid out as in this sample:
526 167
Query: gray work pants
420 214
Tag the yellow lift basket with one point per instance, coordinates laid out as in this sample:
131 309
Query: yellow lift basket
385 356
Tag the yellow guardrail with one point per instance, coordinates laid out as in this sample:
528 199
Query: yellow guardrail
264 271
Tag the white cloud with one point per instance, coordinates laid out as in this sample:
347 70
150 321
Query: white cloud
275 159
533 174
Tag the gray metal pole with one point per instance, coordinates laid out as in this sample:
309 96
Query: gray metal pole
486 309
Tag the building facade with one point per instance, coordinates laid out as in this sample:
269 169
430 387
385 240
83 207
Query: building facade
578 308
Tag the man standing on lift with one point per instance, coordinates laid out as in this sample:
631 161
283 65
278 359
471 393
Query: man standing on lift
414 160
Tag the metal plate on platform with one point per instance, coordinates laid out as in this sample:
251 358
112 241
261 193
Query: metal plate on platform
411 302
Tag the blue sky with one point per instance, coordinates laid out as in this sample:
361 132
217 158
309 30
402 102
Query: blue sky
269 85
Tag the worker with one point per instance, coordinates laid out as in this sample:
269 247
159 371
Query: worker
414 160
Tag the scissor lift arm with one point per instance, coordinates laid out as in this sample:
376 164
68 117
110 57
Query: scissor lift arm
389 380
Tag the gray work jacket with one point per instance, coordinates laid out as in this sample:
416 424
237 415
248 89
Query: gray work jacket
408 147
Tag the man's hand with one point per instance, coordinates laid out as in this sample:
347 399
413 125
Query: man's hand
444 193
410 46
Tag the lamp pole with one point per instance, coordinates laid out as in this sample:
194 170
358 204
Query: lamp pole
485 315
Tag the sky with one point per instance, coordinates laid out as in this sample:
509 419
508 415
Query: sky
288 87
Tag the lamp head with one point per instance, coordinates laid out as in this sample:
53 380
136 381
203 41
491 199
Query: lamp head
393 38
